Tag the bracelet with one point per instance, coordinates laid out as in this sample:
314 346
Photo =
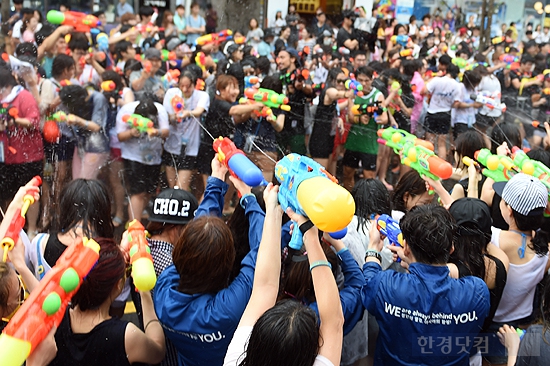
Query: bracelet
345 249
242 200
319 264
149 322
306 226
374 254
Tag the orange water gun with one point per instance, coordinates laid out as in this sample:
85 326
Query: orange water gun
147 66
178 104
219 37
45 307
143 271
81 22
18 221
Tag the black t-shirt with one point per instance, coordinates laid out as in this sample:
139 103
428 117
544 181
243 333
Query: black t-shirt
401 118
342 37
218 121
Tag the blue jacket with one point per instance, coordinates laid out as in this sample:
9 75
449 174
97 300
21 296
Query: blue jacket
350 294
425 315
201 325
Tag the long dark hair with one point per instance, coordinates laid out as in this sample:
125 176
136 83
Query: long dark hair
410 183
371 198
287 334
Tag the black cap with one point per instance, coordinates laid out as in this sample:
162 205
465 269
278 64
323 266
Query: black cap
174 206
472 211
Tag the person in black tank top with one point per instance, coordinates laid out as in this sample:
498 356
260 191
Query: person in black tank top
321 142
88 335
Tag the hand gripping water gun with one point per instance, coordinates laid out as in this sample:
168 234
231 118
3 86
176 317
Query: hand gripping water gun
460 63
143 272
266 112
508 59
432 51
171 77
539 77
268 97
138 122
80 21
166 55
18 221
108 86
8 112
147 66
488 102
251 81
416 153
395 86
354 85
387 226
402 39
178 104
308 189
236 161
499 168
220 37
406 52
60 116
45 306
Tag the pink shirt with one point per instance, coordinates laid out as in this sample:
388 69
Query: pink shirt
418 83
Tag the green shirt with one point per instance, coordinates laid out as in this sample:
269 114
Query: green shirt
363 138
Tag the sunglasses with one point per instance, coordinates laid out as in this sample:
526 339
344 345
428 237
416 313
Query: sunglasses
319 14
341 81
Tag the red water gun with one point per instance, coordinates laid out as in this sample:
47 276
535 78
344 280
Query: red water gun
143 271
18 221
236 161
45 307
219 37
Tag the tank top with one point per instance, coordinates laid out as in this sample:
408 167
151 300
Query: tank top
325 113
519 292
103 345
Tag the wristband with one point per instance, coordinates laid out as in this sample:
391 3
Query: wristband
306 226
242 200
345 249
319 264
374 254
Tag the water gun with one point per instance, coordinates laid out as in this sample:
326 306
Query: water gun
508 59
266 112
45 306
308 189
388 227
538 125
396 86
50 131
298 75
460 62
60 116
138 122
251 81
147 66
239 40
268 97
200 59
108 86
102 41
143 272
18 221
488 102
220 37
476 64
539 77
178 105
166 55
81 22
501 39
499 168
317 88
8 112
416 153
236 161
406 52
402 39
147 28
371 109
344 51
432 51
171 77
354 85
531 167
520 333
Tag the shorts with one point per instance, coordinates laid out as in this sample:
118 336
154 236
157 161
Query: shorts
179 162
140 178
485 122
352 159
459 128
16 175
321 143
204 158
60 151
293 143
438 123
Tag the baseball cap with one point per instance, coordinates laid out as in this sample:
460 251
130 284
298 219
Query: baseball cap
173 43
174 206
472 211
152 53
232 47
524 193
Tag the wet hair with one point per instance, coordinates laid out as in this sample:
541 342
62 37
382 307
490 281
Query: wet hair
365 70
371 198
263 64
332 76
287 334
429 232
99 284
78 42
505 132
467 144
6 78
85 200
471 79
148 109
204 256
60 64
225 80
190 75
74 97
453 70
410 183
411 66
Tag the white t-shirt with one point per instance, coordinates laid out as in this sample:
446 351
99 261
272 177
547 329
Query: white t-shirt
113 137
188 131
464 115
490 85
89 75
237 349
16 31
145 150
445 91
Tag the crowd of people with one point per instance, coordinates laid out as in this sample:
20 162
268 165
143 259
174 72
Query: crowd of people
121 123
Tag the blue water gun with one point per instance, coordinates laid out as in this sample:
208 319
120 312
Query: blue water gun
390 228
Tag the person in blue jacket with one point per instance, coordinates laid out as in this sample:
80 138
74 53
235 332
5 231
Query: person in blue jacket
194 302
425 316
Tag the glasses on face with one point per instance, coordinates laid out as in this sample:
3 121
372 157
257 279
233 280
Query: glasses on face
340 81
319 14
